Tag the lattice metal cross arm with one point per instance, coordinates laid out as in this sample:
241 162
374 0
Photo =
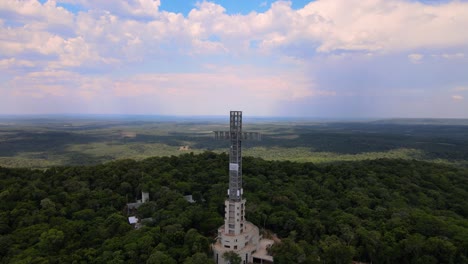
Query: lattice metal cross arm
226 135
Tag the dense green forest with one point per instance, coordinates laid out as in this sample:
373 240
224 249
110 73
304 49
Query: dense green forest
379 211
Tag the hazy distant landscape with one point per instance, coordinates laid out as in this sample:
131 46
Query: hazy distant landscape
108 108
40 142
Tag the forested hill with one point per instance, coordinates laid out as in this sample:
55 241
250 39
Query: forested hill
380 211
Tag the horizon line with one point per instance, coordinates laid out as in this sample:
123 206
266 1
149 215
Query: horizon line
224 115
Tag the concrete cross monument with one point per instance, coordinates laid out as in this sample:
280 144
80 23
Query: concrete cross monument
237 234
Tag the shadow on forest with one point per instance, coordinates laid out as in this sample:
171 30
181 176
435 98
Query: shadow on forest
50 141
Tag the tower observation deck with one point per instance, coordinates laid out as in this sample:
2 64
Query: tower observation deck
237 234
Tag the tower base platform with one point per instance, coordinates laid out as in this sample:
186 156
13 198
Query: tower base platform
248 245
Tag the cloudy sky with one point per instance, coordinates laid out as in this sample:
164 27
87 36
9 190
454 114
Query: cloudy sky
323 58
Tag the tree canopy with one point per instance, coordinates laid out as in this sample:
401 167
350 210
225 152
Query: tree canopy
380 211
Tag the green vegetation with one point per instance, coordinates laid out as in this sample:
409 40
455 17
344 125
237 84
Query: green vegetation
301 154
379 211
42 143
232 257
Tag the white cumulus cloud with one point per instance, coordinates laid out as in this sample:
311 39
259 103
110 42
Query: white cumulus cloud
453 56
415 57
47 50
128 8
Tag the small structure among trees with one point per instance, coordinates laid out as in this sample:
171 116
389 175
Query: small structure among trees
132 209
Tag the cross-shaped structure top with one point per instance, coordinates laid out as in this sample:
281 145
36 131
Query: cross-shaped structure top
235 135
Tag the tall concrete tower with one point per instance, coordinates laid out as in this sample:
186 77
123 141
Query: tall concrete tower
237 234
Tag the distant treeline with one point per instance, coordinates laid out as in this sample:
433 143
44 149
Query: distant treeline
381 211
43 145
